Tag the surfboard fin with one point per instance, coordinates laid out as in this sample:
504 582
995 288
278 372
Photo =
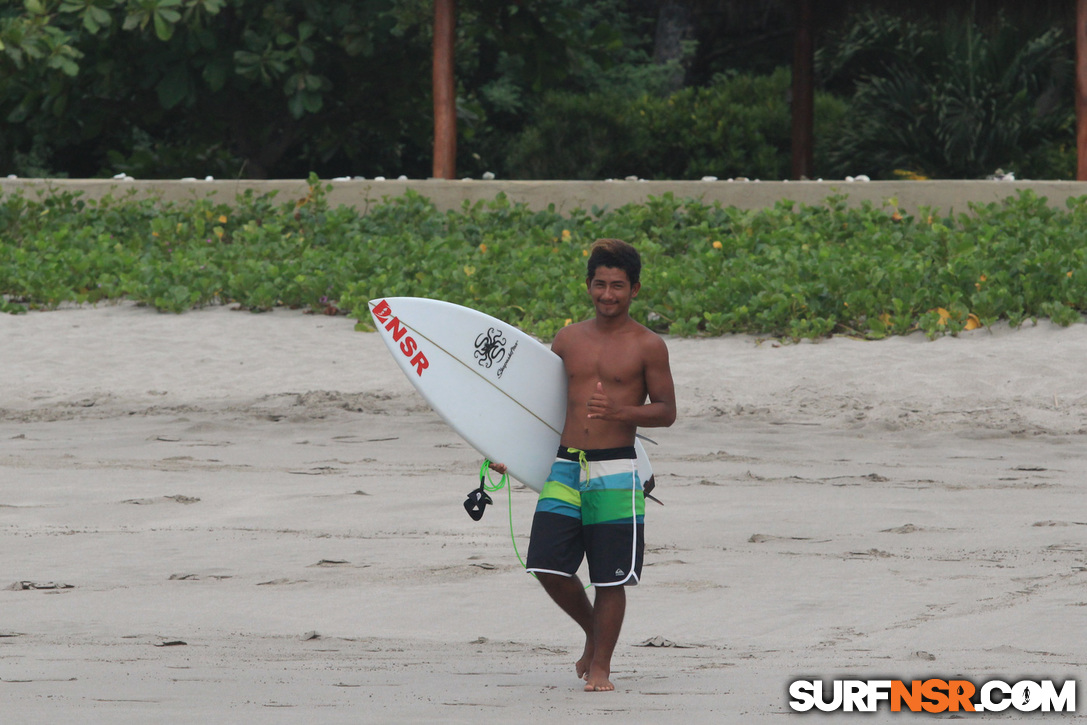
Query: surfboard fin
477 502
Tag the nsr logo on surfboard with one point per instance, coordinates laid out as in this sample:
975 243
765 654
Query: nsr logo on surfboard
384 316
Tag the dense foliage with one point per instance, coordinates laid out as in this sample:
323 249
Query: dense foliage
738 126
791 270
545 88
953 101
171 88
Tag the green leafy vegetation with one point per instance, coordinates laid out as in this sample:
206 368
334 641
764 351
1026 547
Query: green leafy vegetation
794 271
952 99
248 88
740 125
545 88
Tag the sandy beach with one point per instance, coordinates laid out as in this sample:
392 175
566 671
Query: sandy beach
225 517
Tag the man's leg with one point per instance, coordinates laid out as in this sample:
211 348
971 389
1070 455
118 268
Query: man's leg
608 613
570 595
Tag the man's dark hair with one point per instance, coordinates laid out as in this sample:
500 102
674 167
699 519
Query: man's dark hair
617 254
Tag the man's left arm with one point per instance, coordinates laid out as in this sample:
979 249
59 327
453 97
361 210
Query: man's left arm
660 411
662 396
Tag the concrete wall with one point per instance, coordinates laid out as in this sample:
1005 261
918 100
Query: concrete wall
945 196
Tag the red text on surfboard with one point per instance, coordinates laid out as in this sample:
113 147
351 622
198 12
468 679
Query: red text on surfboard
384 316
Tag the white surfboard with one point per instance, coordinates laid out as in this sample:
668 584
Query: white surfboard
499 388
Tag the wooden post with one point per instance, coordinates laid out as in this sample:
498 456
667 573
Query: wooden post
1081 90
803 110
445 95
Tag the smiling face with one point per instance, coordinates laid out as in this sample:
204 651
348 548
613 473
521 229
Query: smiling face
612 292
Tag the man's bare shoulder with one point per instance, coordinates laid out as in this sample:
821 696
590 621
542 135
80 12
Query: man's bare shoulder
586 329
564 338
572 332
649 338
577 328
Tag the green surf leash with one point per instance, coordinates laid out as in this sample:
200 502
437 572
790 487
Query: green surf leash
479 499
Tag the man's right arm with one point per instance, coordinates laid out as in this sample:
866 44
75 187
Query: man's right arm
557 347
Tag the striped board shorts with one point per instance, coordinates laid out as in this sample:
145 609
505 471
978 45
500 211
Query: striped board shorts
593 508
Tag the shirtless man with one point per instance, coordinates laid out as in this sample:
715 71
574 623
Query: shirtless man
593 504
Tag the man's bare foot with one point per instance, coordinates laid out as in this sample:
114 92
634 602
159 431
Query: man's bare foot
598 682
582 665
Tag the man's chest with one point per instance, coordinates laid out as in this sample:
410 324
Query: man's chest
614 363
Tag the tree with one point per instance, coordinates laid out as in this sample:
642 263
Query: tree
256 87
956 101
168 88
445 99
186 83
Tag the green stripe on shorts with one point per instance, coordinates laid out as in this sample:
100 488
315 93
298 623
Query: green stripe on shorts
561 492
601 507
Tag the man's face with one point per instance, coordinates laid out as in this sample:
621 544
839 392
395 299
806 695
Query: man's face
612 292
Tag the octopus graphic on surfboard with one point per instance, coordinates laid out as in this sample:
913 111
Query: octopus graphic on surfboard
499 388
